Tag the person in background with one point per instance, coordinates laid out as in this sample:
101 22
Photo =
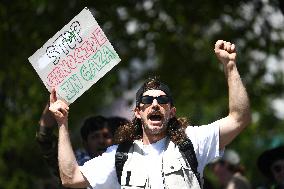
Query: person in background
97 134
229 171
271 165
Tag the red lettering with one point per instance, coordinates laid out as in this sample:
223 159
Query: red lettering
99 36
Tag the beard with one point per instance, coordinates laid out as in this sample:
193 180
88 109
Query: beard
155 130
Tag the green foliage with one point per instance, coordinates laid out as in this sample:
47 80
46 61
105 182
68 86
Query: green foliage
172 39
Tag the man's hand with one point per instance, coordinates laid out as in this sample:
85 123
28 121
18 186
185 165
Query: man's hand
226 52
47 120
58 108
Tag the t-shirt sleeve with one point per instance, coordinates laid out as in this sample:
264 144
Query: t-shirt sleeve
100 171
205 140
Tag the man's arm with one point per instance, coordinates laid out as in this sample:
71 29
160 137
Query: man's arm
47 140
68 167
239 110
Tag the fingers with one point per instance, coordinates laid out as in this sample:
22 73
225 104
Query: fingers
224 45
59 109
219 45
233 48
52 96
227 46
64 111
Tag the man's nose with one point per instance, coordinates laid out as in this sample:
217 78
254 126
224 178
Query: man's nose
155 105
102 140
155 102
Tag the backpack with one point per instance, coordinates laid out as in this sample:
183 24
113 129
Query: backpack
186 149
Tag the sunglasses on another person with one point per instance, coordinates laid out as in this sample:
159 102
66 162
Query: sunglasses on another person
277 168
162 99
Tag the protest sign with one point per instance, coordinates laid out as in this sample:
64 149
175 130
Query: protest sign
75 58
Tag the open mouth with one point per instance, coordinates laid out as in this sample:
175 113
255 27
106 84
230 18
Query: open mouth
155 117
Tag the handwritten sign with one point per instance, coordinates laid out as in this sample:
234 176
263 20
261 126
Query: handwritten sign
75 58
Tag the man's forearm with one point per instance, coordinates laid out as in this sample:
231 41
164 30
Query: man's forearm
68 166
239 106
239 111
66 157
48 144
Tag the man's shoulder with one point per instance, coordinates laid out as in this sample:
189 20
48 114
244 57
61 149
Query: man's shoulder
82 156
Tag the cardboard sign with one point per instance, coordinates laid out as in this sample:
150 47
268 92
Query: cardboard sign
75 58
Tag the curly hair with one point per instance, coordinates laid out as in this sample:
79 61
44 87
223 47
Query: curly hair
133 131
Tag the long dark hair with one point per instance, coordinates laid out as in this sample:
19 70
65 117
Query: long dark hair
133 130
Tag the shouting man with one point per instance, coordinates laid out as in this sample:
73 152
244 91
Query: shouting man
157 150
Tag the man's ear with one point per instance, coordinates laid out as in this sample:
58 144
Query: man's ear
137 112
173 111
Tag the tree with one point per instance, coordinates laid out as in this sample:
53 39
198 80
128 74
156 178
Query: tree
172 39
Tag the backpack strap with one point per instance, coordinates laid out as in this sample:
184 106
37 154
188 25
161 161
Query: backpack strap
186 148
121 157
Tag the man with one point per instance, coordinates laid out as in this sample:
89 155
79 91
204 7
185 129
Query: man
229 171
154 160
97 134
271 165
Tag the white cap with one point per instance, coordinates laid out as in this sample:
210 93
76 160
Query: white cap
229 156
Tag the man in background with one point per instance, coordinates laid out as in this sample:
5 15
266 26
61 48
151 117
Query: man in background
271 165
97 134
229 171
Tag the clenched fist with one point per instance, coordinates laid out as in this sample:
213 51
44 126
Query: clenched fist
226 52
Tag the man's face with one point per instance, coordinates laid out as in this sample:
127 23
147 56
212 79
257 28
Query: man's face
220 169
155 115
277 169
98 141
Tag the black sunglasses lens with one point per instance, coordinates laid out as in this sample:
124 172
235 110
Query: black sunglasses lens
147 99
163 99
277 168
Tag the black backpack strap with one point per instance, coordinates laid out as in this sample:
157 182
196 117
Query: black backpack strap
186 148
121 156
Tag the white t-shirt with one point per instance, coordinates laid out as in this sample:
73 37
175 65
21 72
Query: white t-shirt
101 174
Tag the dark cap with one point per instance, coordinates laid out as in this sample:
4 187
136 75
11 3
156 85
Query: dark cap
153 84
267 158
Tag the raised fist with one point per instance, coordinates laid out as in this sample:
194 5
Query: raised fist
225 51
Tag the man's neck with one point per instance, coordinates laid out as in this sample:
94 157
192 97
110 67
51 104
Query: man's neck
149 139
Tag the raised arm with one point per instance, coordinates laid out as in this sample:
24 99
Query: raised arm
239 110
47 140
68 167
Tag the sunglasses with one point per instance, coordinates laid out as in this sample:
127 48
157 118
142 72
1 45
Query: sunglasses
278 168
163 99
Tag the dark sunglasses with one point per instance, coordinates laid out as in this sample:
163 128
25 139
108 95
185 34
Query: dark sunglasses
277 168
163 99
